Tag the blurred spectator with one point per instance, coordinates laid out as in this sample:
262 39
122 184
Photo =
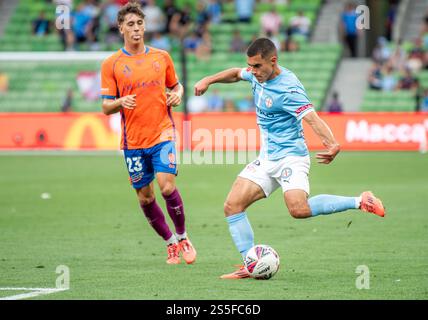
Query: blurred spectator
407 81
398 58
375 77
390 18
41 25
382 52
349 28
229 106
93 10
246 104
274 38
202 16
271 21
204 47
197 104
424 101
68 101
237 44
170 9
155 20
417 59
214 11
81 25
160 41
424 32
109 16
300 24
215 101
289 44
335 106
181 22
191 42
389 82
244 10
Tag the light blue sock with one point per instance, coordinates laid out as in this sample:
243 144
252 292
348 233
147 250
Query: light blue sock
327 204
241 232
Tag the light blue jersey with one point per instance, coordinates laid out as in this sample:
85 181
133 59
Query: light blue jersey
281 103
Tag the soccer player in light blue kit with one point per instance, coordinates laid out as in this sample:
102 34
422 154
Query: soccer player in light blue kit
281 105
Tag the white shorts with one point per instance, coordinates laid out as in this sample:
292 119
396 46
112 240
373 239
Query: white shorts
291 172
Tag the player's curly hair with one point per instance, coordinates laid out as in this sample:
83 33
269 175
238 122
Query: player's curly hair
130 7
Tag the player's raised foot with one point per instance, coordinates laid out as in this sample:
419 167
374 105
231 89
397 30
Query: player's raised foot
173 253
241 273
187 250
369 203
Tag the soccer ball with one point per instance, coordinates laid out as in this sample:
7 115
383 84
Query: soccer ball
261 262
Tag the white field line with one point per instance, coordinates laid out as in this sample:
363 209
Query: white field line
35 292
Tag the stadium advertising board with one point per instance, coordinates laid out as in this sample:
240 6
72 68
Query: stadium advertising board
209 131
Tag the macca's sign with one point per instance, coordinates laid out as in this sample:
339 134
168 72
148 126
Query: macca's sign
363 131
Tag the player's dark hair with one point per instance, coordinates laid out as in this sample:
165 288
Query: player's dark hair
130 7
262 46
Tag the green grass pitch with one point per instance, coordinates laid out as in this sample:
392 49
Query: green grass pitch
92 223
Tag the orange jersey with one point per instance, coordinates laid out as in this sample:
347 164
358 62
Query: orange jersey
147 75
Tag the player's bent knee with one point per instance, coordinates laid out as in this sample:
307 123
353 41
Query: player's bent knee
167 189
231 208
299 212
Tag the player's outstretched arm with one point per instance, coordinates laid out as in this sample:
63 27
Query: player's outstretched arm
112 106
323 131
226 76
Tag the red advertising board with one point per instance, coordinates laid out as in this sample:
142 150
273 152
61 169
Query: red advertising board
208 131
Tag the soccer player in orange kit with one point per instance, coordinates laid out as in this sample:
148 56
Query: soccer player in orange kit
134 82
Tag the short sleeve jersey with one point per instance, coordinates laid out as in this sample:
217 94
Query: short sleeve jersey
147 75
281 103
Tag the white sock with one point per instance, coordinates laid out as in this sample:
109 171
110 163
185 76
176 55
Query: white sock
182 236
358 202
171 240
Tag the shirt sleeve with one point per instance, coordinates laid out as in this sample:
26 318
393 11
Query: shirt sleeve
297 103
246 74
108 81
171 76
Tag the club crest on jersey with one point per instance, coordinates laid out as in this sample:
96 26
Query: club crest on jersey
171 157
268 102
127 71
286 174
156 66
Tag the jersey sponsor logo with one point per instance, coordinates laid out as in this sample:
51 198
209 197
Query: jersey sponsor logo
266 114
136 177
143 84
156 66
303 108
286 174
